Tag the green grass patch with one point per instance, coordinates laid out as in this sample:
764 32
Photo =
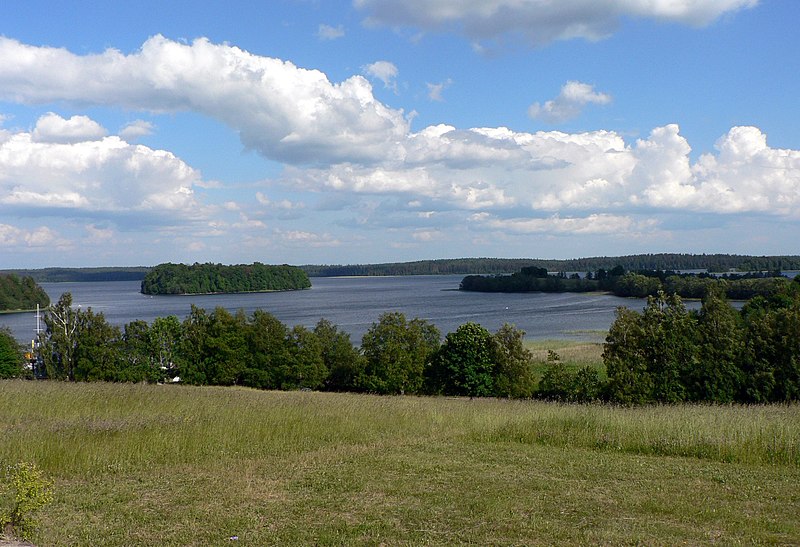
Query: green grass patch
574 354
179 465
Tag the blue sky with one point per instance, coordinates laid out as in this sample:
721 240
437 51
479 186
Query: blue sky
294 131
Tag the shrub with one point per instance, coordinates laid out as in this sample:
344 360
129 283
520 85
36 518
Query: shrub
23 491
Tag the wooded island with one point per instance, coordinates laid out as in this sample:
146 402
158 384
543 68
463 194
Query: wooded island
210 278
21 293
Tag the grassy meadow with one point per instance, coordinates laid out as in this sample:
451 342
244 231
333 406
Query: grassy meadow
180 465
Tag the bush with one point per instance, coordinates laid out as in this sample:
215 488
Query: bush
561 384
23 491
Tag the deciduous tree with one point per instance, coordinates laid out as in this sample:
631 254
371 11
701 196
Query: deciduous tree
465 363
396 353
60 338
513 373
342 359
10 355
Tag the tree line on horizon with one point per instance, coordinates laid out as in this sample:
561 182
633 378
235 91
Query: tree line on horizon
489 266
664 354
638 284
464 266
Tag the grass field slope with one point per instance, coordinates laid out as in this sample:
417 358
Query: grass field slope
181 465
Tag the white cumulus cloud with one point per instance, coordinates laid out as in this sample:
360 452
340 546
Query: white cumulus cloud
327 32
285 112
384 71
42 236
136 129
748 176
569 104
435 90
60 171
494 169
52 128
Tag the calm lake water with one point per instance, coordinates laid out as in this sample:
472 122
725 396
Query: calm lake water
354 303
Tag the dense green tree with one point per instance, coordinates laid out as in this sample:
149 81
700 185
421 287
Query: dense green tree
192 346
396 352
587 386
305 368
625 358
772 346
717 376
465 363
759 354
670 346
634 284
637 284
648 355
267 351
214 347
138 355
513 372
343 360
561 384
10 355
97 349
534 271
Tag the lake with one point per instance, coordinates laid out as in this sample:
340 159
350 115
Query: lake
354 303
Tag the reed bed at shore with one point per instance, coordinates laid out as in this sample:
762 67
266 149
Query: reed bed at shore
187 465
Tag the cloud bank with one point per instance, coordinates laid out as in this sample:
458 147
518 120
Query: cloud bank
540 22
70 166
286 113
496 169
339 140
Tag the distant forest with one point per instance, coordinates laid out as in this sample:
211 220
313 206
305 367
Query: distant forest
216 278
21 293
468 266
640 284
488 266
64 275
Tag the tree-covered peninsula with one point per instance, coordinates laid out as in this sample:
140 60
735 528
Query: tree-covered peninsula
210 278
21 293
639 284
